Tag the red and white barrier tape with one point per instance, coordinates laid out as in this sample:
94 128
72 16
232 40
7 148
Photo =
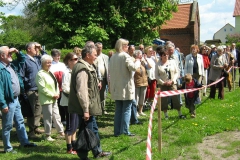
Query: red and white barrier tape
149 148
166 94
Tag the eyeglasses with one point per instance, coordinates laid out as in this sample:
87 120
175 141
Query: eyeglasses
164 55
141 48
74 59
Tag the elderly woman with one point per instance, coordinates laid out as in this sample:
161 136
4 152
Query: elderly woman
194 66
166 74
48 94
218 64
122 86
141 83
204 51
71 119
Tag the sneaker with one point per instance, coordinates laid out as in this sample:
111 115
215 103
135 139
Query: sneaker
105 112
50 139
193 115
11 151
71 152
39 131
182 117
142 114
138 114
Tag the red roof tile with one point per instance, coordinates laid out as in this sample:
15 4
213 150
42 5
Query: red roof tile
236 8
180 19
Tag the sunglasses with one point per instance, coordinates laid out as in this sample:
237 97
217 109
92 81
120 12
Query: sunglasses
74 59
140 48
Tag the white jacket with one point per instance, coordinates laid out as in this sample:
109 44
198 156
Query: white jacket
189 64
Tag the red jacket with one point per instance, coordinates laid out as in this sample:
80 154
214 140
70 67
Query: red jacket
206 62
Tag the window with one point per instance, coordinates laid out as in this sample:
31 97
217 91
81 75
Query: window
224 29
230 29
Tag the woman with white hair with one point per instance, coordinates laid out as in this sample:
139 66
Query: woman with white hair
48 94
218 64
122 86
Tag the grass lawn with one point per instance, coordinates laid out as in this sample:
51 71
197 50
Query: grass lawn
179 137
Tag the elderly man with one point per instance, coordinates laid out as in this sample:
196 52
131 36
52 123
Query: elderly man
9 104
102 66
84 97
236 54
29 71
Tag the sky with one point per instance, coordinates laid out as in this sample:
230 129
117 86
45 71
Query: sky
214 14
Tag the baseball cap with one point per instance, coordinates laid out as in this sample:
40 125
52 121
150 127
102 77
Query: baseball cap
213 46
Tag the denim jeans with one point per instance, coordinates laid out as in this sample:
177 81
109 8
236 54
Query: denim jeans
92 125
134 118
122 117
14 114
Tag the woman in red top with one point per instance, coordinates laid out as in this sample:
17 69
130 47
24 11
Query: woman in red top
204 51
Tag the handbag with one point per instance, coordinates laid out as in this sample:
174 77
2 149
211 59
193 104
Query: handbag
86 139
25 105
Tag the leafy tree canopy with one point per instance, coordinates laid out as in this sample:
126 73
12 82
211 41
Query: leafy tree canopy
72 22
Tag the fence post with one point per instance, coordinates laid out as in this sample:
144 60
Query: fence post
159 124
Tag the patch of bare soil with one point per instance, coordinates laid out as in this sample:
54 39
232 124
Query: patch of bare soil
214 147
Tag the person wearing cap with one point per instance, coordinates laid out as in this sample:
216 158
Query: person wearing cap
213 52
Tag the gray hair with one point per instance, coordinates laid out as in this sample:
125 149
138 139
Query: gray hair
98 43
87 50
3 49
137 52
89 44
170 45
46 57
29 45
220 48
120 43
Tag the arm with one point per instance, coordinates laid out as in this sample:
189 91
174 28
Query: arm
157 76
3 103
82 90
132 66
66 82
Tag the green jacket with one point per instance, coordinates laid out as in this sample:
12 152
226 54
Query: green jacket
6 92
74 105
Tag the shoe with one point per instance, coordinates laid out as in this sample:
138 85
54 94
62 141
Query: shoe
130 135
182 117
29 145
39 131
138 114
32 135
142 114
105 112
71 152
50 139
12 151
193 115
103 154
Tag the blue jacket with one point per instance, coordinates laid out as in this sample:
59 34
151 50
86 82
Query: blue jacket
6 92
29 71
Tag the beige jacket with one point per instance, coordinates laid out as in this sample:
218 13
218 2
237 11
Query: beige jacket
121 80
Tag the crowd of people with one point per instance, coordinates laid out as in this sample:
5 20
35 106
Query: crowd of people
71 93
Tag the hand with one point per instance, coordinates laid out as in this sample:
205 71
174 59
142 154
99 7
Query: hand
13 50
100 85
86 116
56 97
5 110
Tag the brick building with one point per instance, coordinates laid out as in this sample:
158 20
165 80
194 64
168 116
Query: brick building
184 28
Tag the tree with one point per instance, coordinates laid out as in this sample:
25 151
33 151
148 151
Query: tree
72 22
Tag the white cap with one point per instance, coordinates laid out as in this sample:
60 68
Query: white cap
213 46
224 47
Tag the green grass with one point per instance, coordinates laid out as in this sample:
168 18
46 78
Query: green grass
179 137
